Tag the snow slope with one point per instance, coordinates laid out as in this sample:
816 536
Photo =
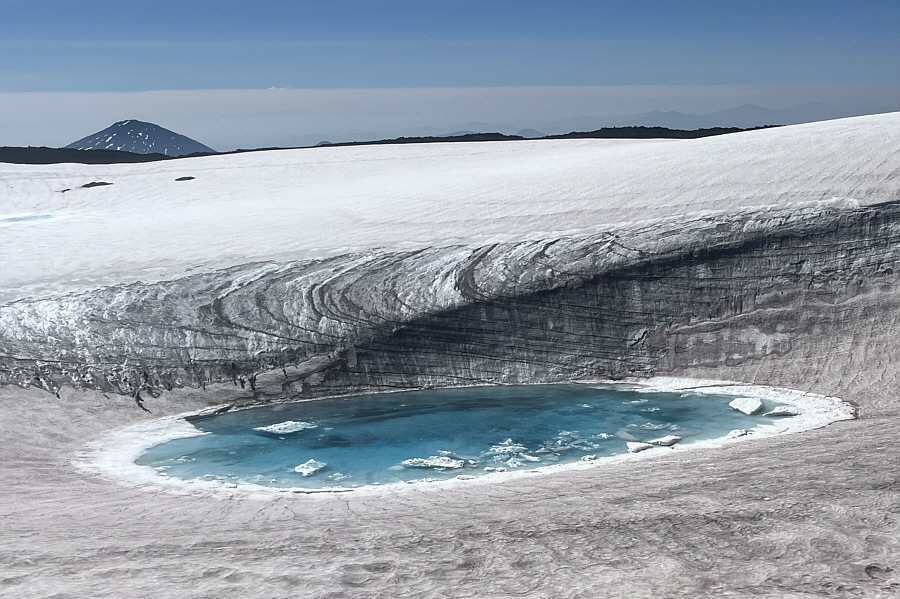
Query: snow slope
294 204
799 295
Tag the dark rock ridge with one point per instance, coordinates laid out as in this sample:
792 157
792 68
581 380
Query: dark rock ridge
651 133
651 298
93 155
140 138
19 155
603 133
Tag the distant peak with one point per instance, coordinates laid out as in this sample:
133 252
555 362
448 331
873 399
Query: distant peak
133 122
140 137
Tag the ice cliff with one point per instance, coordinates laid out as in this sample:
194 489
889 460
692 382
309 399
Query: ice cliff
651 299
654 296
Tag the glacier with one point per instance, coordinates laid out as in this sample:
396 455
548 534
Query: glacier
641 300
766 258
498 288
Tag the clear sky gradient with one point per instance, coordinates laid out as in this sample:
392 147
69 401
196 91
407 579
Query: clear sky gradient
106 46
118 45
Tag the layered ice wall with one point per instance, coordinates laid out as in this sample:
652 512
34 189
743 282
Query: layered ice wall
783 262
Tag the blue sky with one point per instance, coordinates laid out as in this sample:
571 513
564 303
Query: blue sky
128 45
53 52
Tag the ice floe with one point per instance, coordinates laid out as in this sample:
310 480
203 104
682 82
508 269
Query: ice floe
310 467
783 411
286 427
507 447
637 446
747 405
666 441
435 461
652 426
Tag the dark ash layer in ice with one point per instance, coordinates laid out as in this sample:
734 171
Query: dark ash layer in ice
645 299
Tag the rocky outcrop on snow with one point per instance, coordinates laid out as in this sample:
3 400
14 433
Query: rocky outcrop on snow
650 298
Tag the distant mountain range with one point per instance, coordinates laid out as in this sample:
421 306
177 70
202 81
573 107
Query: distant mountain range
139 137
746 116
31 155
138 141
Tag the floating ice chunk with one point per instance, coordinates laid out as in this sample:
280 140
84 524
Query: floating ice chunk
508 446
338 476
747 405
435 461
310 467
667 441
783 411
287 427
650 426
589 458
636 446
738 432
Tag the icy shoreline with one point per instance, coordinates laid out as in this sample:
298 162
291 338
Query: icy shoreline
113 455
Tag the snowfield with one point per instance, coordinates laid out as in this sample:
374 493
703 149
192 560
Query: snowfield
770 258
310 203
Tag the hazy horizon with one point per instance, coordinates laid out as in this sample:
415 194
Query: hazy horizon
231 119
235 74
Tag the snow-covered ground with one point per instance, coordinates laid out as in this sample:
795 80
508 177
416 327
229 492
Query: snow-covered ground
295 204
812 514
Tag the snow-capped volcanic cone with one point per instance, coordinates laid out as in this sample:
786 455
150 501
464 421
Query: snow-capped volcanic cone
141 138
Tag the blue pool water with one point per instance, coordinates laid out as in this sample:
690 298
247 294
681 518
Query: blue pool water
437 434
